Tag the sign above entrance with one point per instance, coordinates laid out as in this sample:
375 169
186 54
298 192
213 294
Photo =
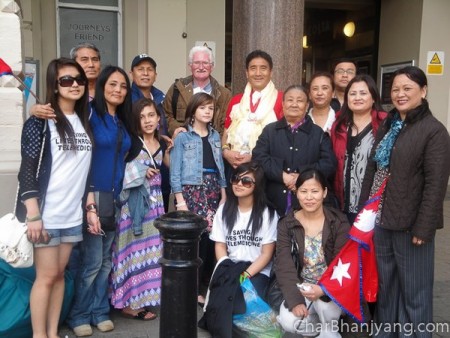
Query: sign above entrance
435 63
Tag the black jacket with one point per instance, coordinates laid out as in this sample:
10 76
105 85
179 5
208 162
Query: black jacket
419 170
278 150
225 299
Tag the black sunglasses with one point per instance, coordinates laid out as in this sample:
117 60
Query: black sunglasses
67 81
246 181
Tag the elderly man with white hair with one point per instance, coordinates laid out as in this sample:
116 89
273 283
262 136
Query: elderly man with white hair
201 62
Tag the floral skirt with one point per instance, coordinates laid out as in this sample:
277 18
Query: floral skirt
204 199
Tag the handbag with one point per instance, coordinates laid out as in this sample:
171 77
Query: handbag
15 248
105 201
106 209
274 293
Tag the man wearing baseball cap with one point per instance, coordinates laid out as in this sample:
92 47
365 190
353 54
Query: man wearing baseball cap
143 74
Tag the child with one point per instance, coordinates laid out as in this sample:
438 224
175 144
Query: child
136 274
197 172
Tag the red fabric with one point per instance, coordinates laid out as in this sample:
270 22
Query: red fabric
4 68
352 275
339 142
278 108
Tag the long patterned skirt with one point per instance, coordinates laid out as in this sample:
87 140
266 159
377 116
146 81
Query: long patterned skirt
136 274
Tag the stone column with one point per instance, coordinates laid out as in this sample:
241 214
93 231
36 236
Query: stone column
11 102
275 26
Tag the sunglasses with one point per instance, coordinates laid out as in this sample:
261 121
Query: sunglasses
67 81
246 181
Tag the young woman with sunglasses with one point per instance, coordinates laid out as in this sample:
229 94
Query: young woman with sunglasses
245 228
52 189
197 173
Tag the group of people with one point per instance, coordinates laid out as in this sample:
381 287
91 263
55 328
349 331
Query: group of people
264 168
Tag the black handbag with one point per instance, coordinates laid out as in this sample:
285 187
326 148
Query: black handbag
274 294
106 209
106 204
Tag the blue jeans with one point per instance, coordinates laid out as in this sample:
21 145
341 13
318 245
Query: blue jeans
91 304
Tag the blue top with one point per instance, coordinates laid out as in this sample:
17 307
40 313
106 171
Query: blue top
186 159
105 133
158 97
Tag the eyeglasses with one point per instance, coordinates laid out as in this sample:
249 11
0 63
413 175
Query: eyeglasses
201 63
67 81
341 71
246 181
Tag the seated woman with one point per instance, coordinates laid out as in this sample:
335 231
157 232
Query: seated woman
244 227
287 147
319 233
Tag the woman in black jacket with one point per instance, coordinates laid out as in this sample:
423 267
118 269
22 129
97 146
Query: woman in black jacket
412 150
287 147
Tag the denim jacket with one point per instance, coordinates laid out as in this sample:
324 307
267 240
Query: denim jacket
186 159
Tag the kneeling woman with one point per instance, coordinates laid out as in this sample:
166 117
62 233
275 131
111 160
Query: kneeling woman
319 233
244 228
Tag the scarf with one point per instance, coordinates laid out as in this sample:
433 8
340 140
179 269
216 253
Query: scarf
384 149
246 126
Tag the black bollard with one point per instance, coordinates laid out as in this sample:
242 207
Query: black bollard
180 232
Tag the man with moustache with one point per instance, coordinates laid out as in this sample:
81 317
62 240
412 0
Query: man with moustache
143 74
201 62
87 55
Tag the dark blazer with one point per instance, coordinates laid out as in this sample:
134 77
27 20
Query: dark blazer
225 299
334 236
419 170
278 150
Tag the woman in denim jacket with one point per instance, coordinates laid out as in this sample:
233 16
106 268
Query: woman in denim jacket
197 173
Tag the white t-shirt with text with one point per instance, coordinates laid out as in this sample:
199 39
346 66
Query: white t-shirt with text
70 167
241 246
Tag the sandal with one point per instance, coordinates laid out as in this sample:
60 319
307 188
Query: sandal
141 315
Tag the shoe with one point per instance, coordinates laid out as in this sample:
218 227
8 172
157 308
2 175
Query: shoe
84 330
105 326
141 315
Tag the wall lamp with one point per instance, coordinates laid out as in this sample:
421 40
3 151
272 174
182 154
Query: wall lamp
349 29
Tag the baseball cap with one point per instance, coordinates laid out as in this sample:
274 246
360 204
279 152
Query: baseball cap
142 57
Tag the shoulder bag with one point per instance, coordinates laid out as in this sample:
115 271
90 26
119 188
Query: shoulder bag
15 248
274 294
106 204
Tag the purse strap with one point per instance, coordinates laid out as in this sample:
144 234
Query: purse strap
116 155
294 252
41 154
148 151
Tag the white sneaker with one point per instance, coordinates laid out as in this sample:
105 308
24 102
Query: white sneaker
84 330
105 326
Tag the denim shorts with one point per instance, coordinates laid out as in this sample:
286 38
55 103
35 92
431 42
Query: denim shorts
58 236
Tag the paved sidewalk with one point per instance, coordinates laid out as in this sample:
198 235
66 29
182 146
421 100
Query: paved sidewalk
130 328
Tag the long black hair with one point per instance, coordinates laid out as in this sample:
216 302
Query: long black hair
123 110
63 126
260 202
346 115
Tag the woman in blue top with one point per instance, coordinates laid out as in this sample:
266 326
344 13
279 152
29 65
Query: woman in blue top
109 122
197 173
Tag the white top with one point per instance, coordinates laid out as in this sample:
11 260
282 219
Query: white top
70 167
330 120
241 246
